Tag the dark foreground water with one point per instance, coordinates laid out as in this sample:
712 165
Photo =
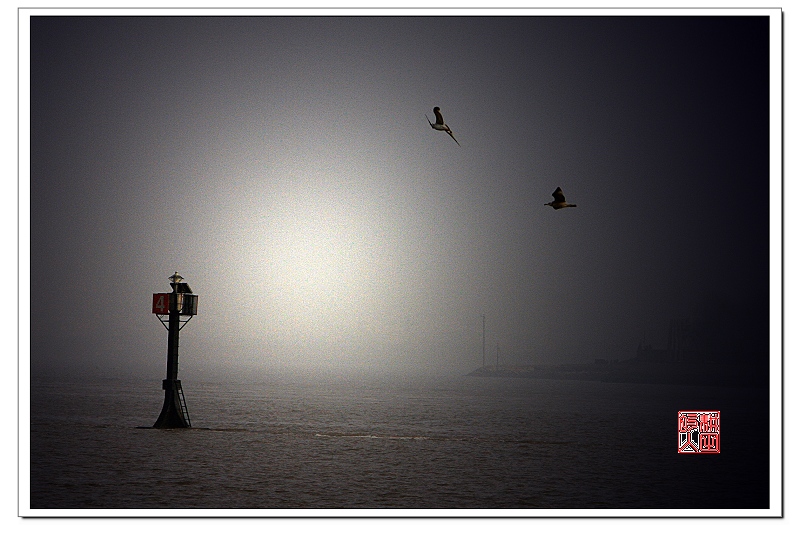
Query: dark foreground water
458 443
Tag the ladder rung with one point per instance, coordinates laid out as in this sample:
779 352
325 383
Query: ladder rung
184 409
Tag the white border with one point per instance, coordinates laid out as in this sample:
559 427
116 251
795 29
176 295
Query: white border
776 256
24 265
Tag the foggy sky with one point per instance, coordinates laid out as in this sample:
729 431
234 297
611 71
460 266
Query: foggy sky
284 167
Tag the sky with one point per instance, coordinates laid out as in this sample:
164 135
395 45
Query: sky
285 168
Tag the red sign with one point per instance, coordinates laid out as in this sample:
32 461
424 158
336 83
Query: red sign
161 303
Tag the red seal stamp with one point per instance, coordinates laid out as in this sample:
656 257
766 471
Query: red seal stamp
698 431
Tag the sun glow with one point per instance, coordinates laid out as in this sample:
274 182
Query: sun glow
326 263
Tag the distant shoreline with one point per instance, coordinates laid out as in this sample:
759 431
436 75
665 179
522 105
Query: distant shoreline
633 371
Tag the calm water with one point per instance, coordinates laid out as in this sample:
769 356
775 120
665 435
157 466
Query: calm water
459 443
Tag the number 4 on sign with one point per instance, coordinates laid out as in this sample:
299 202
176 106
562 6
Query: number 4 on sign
161 303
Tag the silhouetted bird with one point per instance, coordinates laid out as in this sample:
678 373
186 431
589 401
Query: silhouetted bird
559 201
440 125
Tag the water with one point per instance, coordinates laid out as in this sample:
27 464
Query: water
456 443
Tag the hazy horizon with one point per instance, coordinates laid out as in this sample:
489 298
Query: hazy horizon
284 167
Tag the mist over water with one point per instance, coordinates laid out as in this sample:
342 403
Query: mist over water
285 168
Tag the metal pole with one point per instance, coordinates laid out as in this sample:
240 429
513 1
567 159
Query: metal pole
172 339
172 413
484 339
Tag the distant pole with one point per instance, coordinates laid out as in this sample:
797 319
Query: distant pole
484 339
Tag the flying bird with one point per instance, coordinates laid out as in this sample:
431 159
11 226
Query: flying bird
559 201
440 125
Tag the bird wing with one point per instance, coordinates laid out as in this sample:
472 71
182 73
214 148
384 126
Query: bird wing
558 195
450 133
429 120
439 117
